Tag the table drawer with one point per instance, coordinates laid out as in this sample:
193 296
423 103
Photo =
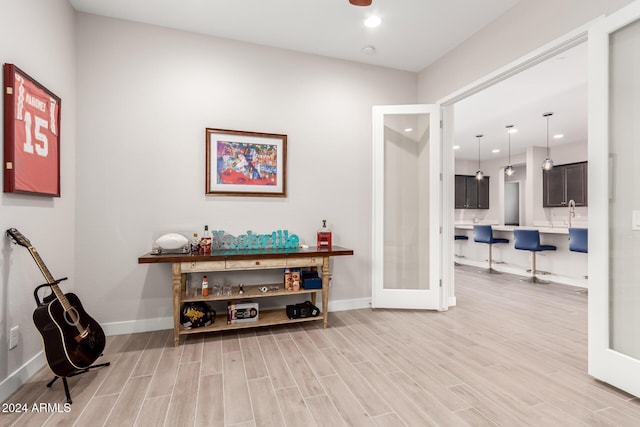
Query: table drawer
304 262
195 267
256 264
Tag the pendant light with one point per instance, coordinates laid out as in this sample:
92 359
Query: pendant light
548 163
509 169
479 173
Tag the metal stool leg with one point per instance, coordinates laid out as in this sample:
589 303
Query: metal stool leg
534 278
491 270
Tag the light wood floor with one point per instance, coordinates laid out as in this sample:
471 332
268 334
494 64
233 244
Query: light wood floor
509 354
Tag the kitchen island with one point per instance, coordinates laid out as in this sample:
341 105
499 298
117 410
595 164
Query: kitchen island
561 265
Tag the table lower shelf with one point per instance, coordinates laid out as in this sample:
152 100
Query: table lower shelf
266 318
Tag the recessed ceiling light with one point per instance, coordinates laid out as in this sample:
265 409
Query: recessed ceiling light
369 50
372 21
456 147
558 136
408 130
495 150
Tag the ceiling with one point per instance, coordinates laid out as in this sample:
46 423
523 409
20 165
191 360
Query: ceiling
413 33
558 85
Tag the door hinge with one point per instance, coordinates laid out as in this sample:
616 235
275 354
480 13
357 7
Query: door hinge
440 124
440 229
440 282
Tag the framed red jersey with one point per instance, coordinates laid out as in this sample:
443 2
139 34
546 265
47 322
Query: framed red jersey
31 135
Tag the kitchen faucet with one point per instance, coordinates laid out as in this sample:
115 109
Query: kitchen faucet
572 210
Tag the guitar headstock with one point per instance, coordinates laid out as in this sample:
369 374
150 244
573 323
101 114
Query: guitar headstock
18 238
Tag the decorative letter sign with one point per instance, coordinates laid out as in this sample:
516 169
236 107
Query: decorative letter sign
31 135
279 239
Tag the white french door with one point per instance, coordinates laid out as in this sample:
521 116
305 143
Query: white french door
406 250
614 199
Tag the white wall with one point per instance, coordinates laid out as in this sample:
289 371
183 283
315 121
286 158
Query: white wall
38 37
146 95
525 27
530 191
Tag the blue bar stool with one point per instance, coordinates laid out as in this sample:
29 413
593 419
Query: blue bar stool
484 234
460 237
529 240
579 241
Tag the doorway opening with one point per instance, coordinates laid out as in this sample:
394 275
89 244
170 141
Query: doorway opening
529 144
512 203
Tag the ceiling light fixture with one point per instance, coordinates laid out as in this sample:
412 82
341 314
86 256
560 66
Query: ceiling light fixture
360 2
547 164
456 147
495 150
408 130
372 21
509 169
558 136
479 173
369 50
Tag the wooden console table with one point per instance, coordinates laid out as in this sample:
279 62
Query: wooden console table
248 259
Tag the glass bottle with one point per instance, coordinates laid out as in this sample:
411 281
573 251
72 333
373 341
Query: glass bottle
205 242
195 244
205 286
192 287
324 236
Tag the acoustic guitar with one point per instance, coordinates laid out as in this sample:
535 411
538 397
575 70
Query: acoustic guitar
72 339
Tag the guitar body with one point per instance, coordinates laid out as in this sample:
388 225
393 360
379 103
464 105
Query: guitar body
72 339
68 346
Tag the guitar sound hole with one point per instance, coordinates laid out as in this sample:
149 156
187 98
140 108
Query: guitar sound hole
71 316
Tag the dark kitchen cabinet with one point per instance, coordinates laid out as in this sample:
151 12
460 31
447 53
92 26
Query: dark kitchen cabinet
461 191
564 183
483 193
471 193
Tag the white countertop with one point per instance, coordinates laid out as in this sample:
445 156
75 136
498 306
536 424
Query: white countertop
543 230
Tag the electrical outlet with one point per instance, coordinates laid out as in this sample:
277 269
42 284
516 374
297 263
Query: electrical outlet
635 223
13 337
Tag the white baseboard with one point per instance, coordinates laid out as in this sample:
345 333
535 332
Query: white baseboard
135 326
350 304
18 378
511 269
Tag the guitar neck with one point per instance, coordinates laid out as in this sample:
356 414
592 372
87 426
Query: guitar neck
49 277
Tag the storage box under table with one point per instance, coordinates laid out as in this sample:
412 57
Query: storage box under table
242 312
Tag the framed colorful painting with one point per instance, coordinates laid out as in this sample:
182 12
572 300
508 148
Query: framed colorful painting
31 135
246 163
